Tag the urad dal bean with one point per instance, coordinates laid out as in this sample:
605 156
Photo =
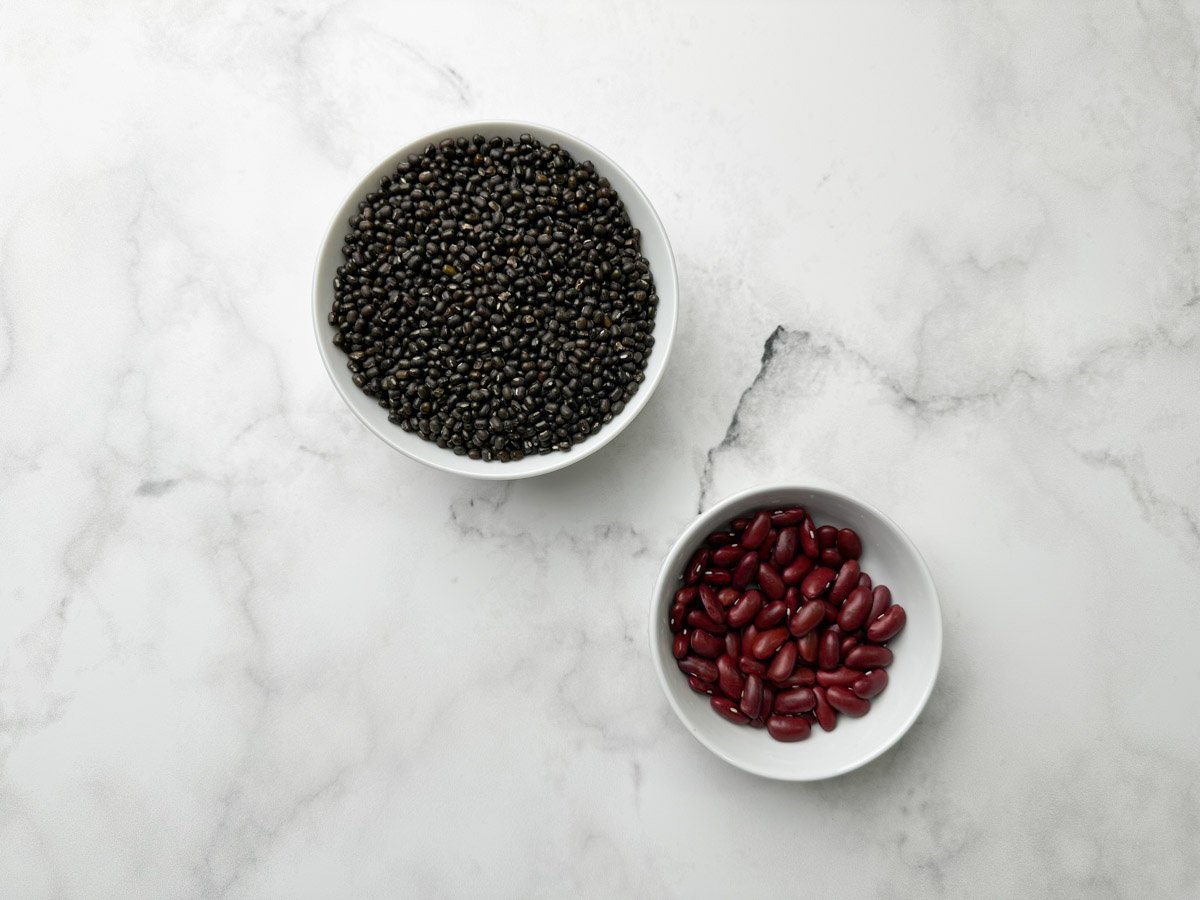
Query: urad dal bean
881 599
788 729
871 684
795 701
826 717
806 618
768 642
729 710
792 516
756 531
770 615
854 611
783 662
846 701
680 645
795 573
706 644
848 543
770 582
745 609
869 656
888 625
816 582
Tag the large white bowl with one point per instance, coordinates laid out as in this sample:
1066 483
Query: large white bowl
655 248
890 558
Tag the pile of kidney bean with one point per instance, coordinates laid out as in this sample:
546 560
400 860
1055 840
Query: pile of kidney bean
779 624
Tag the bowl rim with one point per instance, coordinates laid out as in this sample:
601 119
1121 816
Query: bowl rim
658 606
331 241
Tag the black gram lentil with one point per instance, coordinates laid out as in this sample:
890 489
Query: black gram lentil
494 298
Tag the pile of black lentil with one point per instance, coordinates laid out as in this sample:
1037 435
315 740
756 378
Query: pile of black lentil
494 298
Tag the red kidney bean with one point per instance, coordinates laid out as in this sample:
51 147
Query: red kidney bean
881 599
685 595
783 662
785 547
842 677
680 645
871 684
706 644
699 686
768 546
760 722
848 543
717 577
792 599
695 567
826 717
768 702
854 611
788 729
816 581
831 650
745 609
830 557
846 701
796 700
844 581
724 557
808 646
729 709
756 531
849 642
728 596
746 568
792 516
869 656
768 642
888 625
749 633
806 618
721 538
770 615
802 676
864 580
827 536
677 618
712 606
831 610
795 573
729 679
752 695
751 666
733 644
739 525
808 539
770 582
698 618
704 669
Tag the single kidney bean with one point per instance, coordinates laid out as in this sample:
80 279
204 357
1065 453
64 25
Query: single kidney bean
739 525
698 618
808 647
788 729
785 547
695 567
849 544
849 642
770 582
686 595
888 625
746 568
767 548
729 679
795 573
816 581
733 644
827 536
802 676
794 701
752 696
869 656
792 599
699 686
831 650
768 642
830 557
770 615
783 662
806 618
712 606
846 701
721 539
854 611
745 609
864 580
792 516
751 666
677 619
844 581
704 669
724 557
871 684
808 539
760 722
706 644
729 709
717 577
881 599
826 717
831 610
680 645
749 633
768 702
842 677
756 531
728 596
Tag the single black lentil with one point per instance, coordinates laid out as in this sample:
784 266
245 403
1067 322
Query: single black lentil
494 298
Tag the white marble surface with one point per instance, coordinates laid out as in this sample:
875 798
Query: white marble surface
944 254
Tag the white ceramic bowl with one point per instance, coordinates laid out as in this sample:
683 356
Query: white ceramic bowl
890 558
655 248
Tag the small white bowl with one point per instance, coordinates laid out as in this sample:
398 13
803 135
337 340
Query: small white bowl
655 248
890 558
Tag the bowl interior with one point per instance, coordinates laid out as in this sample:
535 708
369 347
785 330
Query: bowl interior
890 558
655 248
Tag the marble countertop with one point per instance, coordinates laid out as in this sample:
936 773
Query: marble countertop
944 255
